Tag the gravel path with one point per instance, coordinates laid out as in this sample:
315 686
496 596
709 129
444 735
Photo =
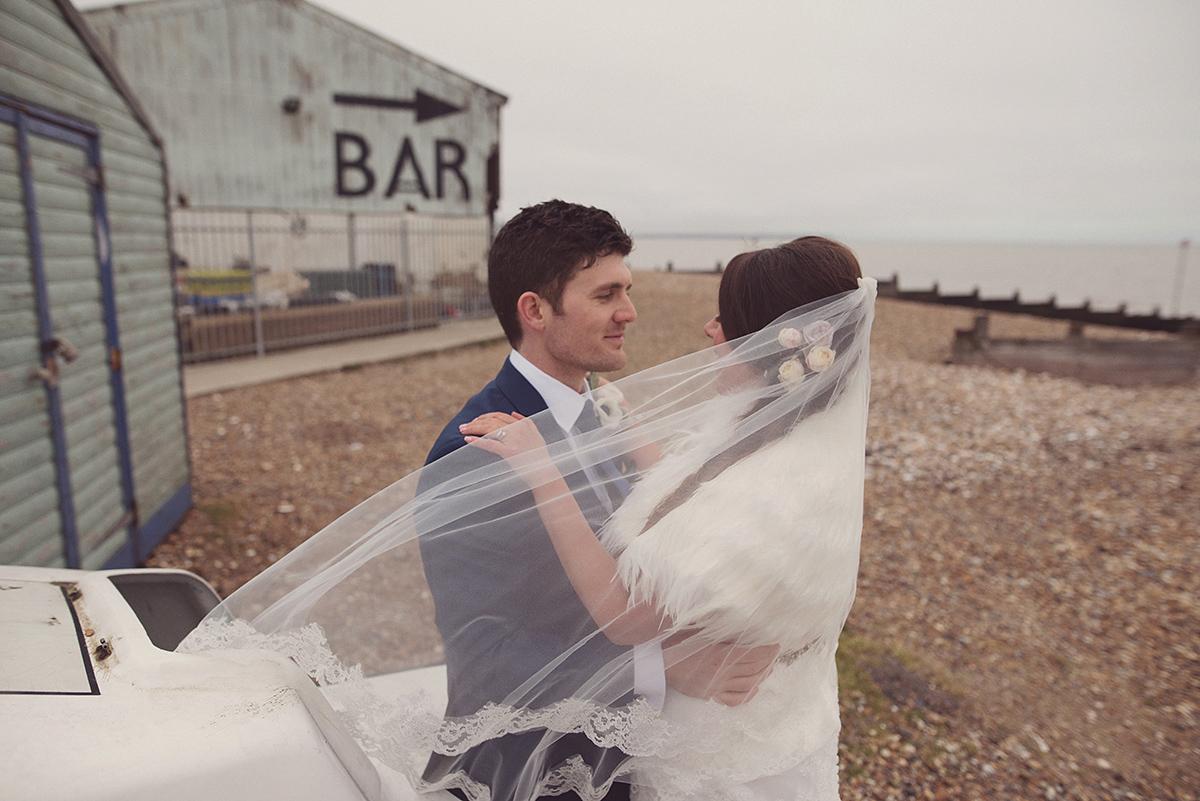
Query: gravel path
1026 623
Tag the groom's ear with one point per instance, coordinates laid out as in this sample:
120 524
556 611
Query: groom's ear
532 311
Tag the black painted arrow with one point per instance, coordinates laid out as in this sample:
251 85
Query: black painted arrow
427 107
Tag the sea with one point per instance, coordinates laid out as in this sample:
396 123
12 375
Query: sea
1145 279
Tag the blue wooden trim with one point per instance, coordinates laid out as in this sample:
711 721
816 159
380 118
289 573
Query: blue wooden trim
154 530
52 131
58 437
122 559
164 521
116 372
10 107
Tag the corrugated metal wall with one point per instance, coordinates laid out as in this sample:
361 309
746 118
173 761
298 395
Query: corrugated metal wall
277 104
101 241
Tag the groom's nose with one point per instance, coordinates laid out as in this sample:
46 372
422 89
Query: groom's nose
626 313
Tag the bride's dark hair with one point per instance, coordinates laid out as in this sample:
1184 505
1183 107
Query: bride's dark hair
761 286
757 288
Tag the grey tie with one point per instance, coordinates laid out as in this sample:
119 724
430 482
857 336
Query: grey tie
616 486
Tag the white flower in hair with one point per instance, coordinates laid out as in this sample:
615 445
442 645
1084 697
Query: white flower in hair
610 405
819 358
818 333
790 338
791 372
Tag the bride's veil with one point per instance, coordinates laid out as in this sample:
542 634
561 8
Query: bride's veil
453 564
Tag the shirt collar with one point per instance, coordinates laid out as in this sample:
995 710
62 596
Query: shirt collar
564 403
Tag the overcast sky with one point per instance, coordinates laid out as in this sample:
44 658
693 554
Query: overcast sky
1071 121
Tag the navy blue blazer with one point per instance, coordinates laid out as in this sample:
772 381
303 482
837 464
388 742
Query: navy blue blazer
504 605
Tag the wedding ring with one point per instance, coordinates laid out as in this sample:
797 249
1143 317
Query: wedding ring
501 434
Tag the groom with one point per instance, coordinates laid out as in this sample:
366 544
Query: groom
560 288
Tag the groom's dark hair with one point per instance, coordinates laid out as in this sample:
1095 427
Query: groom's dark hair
541 249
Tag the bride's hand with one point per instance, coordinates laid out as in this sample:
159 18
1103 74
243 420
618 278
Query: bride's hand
722 672
516 440
489 423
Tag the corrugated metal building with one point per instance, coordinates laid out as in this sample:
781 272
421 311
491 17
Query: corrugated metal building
277 104
93 448
326 183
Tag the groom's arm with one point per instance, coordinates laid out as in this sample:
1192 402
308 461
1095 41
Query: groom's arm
721 672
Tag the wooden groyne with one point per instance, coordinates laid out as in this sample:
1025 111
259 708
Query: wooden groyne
1127 362
1081 315
1123 362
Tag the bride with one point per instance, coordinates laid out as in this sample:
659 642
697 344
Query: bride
737 477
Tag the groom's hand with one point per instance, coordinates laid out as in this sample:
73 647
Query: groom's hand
721 672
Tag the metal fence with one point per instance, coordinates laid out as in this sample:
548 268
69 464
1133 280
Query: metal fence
252 281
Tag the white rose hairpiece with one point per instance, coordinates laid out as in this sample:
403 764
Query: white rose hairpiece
814 339
790 338
819 358
791 372
818 333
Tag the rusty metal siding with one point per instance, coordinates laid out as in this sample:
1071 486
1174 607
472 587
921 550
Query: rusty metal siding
49 60
245 92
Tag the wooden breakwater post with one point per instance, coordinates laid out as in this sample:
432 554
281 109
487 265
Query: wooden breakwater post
1171 359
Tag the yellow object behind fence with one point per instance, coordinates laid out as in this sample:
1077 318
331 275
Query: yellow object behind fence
217 283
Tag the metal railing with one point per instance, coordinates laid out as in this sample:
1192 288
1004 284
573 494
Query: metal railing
252 281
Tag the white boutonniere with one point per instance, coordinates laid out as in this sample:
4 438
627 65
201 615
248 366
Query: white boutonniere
611 407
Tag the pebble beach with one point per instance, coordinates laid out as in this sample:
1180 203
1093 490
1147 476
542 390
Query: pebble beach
1026 624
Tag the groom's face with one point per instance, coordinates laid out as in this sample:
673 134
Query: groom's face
588 334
